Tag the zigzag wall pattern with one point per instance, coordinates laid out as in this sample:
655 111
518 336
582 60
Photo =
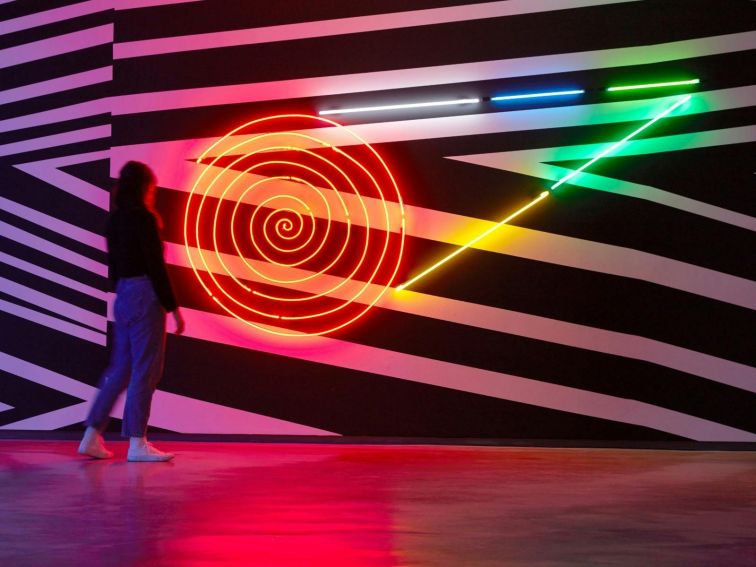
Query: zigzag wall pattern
622 308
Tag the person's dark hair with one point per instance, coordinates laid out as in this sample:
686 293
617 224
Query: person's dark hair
131 189
132 185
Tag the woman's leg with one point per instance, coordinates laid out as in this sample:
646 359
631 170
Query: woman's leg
147 340
114 380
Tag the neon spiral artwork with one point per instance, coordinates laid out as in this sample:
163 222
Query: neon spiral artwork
295 225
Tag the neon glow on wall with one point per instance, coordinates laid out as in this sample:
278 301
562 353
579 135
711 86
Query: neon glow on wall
507 98
296 236
537 95
454 102
616 145
545 194
277 212
653 85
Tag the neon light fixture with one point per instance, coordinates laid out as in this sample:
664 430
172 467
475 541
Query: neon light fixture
400 106
537 95
543 195
502 98
461 249
654 85
312 234
616 145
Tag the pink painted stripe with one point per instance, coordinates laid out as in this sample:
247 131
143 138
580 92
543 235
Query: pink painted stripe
340 26
431 128
134 4
44 142
535 119
535 163
61 114
44 377
58 45
48 171
53 323
427 76
51 276
585 255
55 224
73 159
465 125
55 15
188 415
58 252
504 321
57 85
342 354
54 305
169 411
52 420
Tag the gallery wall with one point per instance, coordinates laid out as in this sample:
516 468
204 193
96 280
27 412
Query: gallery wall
620 306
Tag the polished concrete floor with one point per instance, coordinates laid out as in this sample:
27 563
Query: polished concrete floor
312 505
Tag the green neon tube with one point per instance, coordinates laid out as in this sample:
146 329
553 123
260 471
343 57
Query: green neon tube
616 145
654 85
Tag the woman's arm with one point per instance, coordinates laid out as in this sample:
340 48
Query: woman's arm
152 249
178 320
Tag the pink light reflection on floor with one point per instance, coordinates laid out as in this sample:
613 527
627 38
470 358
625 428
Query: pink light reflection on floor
342 505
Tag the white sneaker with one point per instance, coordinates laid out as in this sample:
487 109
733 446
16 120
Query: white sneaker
147 453
93 445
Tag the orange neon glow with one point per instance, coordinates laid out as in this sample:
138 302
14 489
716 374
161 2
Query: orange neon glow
328 182
338 256
286 206
481 236
241 255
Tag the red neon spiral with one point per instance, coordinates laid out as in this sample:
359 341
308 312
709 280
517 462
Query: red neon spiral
295 225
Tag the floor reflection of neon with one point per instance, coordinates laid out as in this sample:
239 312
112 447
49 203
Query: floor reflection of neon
543 195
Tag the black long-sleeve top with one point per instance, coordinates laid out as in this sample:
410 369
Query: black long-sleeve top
135 249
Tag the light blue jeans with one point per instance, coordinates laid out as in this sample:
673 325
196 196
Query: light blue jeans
136 361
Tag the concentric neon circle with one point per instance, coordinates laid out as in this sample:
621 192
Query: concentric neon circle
295 225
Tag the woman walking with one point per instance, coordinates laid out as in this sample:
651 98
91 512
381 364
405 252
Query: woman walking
143 296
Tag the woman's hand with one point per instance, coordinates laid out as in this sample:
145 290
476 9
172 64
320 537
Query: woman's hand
178 320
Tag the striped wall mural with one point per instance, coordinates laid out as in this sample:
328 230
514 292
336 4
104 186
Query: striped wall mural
620 308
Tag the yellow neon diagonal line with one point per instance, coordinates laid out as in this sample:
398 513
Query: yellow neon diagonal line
545 194
474 240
